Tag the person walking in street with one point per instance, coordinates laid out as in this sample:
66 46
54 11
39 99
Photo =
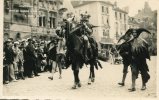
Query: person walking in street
124 51
52 51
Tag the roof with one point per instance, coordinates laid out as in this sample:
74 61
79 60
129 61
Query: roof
81 3
120 10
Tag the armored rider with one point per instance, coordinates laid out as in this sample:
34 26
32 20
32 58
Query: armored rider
87 32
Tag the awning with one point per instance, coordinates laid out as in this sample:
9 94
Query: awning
106 41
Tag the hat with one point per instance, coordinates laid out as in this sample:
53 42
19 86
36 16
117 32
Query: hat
29 40
16 42
9 40
85 16
134 30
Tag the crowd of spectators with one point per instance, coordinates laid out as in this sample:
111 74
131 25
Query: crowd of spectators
25 58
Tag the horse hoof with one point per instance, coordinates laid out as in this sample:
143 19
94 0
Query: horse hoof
51 78
60 77
79 85
92 80
89 83
74 87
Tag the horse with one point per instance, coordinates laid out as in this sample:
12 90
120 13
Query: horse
75 51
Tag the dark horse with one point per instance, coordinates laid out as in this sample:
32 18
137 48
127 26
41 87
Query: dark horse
75 52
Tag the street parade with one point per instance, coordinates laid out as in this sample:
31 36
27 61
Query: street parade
74 49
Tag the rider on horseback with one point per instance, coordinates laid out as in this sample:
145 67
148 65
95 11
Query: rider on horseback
86 33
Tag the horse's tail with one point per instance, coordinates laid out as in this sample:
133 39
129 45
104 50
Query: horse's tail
96 66
99 64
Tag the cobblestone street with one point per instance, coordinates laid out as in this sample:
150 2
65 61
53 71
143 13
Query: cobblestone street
105 84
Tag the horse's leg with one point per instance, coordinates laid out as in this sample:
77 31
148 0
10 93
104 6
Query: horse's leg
93 74
90 76
60 70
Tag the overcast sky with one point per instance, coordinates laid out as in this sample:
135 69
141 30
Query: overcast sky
134 5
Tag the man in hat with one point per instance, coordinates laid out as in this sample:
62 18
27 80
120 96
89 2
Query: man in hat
9 55
31 59
138 60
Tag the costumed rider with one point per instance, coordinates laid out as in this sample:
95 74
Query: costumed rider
86 33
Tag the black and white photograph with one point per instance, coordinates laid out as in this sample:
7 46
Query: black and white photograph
79 49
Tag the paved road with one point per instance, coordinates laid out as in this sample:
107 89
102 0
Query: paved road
105 84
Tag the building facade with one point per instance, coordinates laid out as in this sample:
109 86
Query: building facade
23 18
112 21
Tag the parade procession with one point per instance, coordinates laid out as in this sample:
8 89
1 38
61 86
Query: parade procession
55 45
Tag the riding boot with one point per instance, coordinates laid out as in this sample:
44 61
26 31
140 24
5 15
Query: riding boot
86 59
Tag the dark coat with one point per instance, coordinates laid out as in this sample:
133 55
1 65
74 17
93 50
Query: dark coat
9 55
125 52
30 57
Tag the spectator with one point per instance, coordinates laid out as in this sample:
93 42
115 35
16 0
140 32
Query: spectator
8 62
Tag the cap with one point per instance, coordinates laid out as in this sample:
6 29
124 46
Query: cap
16 42
85 16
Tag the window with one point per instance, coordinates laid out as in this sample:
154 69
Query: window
44 20
103 9
107 10
115 15
104 33
40 21
125 27
120 16
50 22
102 19
124 17
107 21
54 22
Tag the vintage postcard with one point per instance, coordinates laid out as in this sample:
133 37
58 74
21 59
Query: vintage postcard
79 49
